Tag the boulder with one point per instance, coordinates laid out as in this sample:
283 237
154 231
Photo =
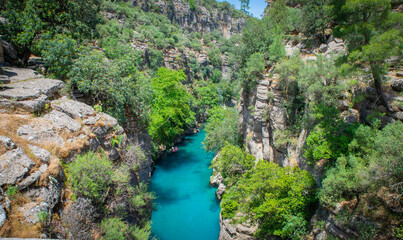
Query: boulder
216 180
40 153
40 132
323 48
62 121
220 191
14 165
4 79
32 178
3 215
31 89
7 142
72 108
113 154
31 211
34 105
10 55
51 193
397 84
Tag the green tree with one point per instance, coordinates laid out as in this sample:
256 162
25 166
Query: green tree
373 35
171 112
276 198
222 126
59 54
232 162
123 92
29 19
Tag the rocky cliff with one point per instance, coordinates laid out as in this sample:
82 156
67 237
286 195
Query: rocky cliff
197 19
39 132
263 118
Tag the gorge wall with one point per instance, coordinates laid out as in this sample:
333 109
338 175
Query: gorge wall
197 19
42 132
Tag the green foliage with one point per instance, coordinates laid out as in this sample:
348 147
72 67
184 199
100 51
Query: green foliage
141 233
115 83
12 191
255 66
374 162
192 4
58 53
330 138
171 112
275 198
216 78
206 95
90 176
215 57
29 19
308 85
222 126
232 162
114 229
43 218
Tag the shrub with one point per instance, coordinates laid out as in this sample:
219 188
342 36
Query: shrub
214 56
90 176
114 229
59 53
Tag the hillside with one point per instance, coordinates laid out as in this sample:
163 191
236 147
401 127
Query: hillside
304 109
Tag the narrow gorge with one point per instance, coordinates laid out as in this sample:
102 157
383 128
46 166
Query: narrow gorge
191 119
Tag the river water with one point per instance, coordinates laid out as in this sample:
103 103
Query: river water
186 206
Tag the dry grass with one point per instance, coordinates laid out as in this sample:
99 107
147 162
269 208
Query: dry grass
53 170
15 226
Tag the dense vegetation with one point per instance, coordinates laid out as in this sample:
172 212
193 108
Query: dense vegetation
94 47
361 161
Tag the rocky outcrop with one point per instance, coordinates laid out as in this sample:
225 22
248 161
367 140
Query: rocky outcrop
200 19
235 231
32 146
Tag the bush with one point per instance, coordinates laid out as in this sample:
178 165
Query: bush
90 176
214 56
114 229
59 54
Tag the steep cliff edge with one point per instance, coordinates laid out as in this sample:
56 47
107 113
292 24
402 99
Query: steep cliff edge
40 132
197 18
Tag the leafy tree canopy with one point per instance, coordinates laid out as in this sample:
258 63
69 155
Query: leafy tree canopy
171 111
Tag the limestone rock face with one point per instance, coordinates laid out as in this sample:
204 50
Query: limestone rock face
31 211
40 153
72 108
3 215
232 231
202 20
62 121
7 142
14 164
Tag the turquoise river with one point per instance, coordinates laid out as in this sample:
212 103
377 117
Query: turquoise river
186 207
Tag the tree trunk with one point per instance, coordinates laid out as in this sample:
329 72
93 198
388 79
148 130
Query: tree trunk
375 71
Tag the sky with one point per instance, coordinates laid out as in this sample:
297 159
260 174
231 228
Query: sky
256 6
